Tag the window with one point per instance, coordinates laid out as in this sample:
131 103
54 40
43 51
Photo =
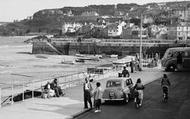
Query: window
185 54
113 84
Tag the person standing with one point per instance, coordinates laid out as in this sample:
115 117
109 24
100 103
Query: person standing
97 97
87 88
132 65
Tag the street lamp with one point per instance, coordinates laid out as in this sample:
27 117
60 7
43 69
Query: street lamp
140 52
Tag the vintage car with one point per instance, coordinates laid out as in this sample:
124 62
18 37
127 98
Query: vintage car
118 89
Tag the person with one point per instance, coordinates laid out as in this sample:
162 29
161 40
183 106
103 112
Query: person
139 87
48 92
165 83
132 65
87 89
97 97
179 60
55 86
125 72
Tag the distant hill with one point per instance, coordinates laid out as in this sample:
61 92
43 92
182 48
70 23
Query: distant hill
51 20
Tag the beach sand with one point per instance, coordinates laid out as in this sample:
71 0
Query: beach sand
18 65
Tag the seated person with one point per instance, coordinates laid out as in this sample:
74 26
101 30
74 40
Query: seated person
48 90
125 72
56 88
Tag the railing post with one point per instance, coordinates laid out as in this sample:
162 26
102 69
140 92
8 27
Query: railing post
23 90
32 89
12 83
0 97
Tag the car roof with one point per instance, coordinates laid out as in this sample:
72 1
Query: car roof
179 49
118 79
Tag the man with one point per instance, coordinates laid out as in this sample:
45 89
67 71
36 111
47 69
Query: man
55 86
125 72
131 65
97 97
87 88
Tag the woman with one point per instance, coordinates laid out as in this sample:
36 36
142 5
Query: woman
139 87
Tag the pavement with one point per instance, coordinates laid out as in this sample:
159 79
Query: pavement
69 105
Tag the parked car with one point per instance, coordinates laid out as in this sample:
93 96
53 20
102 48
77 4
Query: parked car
118 89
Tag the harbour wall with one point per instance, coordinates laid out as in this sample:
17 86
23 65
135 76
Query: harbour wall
71 48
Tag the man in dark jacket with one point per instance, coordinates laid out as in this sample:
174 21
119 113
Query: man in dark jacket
125 72
132 65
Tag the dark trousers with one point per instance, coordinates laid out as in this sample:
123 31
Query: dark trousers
131 69
58 91
97 104
87 99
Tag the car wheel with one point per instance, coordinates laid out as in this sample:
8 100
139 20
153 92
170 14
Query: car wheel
171 68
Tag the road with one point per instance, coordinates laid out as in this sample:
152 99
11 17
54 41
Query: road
178 106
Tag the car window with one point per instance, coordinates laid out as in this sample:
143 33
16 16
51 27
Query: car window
113 84
129 82
186 54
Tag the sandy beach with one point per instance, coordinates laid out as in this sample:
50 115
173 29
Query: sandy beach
18 64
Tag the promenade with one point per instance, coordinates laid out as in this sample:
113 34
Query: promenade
69 105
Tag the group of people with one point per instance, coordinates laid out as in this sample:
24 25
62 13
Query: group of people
53 89
89 93
139 87
135 65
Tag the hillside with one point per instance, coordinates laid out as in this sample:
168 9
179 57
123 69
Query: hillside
51 20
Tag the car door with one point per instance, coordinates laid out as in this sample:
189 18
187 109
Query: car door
186 59
126 88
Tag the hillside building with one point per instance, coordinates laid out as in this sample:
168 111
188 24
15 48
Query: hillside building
115 29
183 32
183 13
89 13
70 27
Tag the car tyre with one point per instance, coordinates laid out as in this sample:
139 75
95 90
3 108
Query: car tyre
171 67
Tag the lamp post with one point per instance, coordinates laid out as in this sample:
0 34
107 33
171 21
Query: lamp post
140 52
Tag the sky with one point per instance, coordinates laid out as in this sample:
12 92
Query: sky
20 9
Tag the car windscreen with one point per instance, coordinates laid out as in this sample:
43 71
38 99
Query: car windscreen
113 84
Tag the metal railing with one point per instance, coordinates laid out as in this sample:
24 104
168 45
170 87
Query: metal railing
22 87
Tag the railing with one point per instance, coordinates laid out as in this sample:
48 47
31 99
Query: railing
22 87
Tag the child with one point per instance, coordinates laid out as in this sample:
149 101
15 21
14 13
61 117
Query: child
97 97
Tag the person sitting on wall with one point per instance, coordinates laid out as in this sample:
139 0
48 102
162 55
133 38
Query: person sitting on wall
48 92
55 86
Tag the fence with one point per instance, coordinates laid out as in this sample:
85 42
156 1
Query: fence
24 89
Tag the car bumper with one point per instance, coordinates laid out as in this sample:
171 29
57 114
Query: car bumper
113 99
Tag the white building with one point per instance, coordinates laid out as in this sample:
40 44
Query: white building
71 27
115 29
183 32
